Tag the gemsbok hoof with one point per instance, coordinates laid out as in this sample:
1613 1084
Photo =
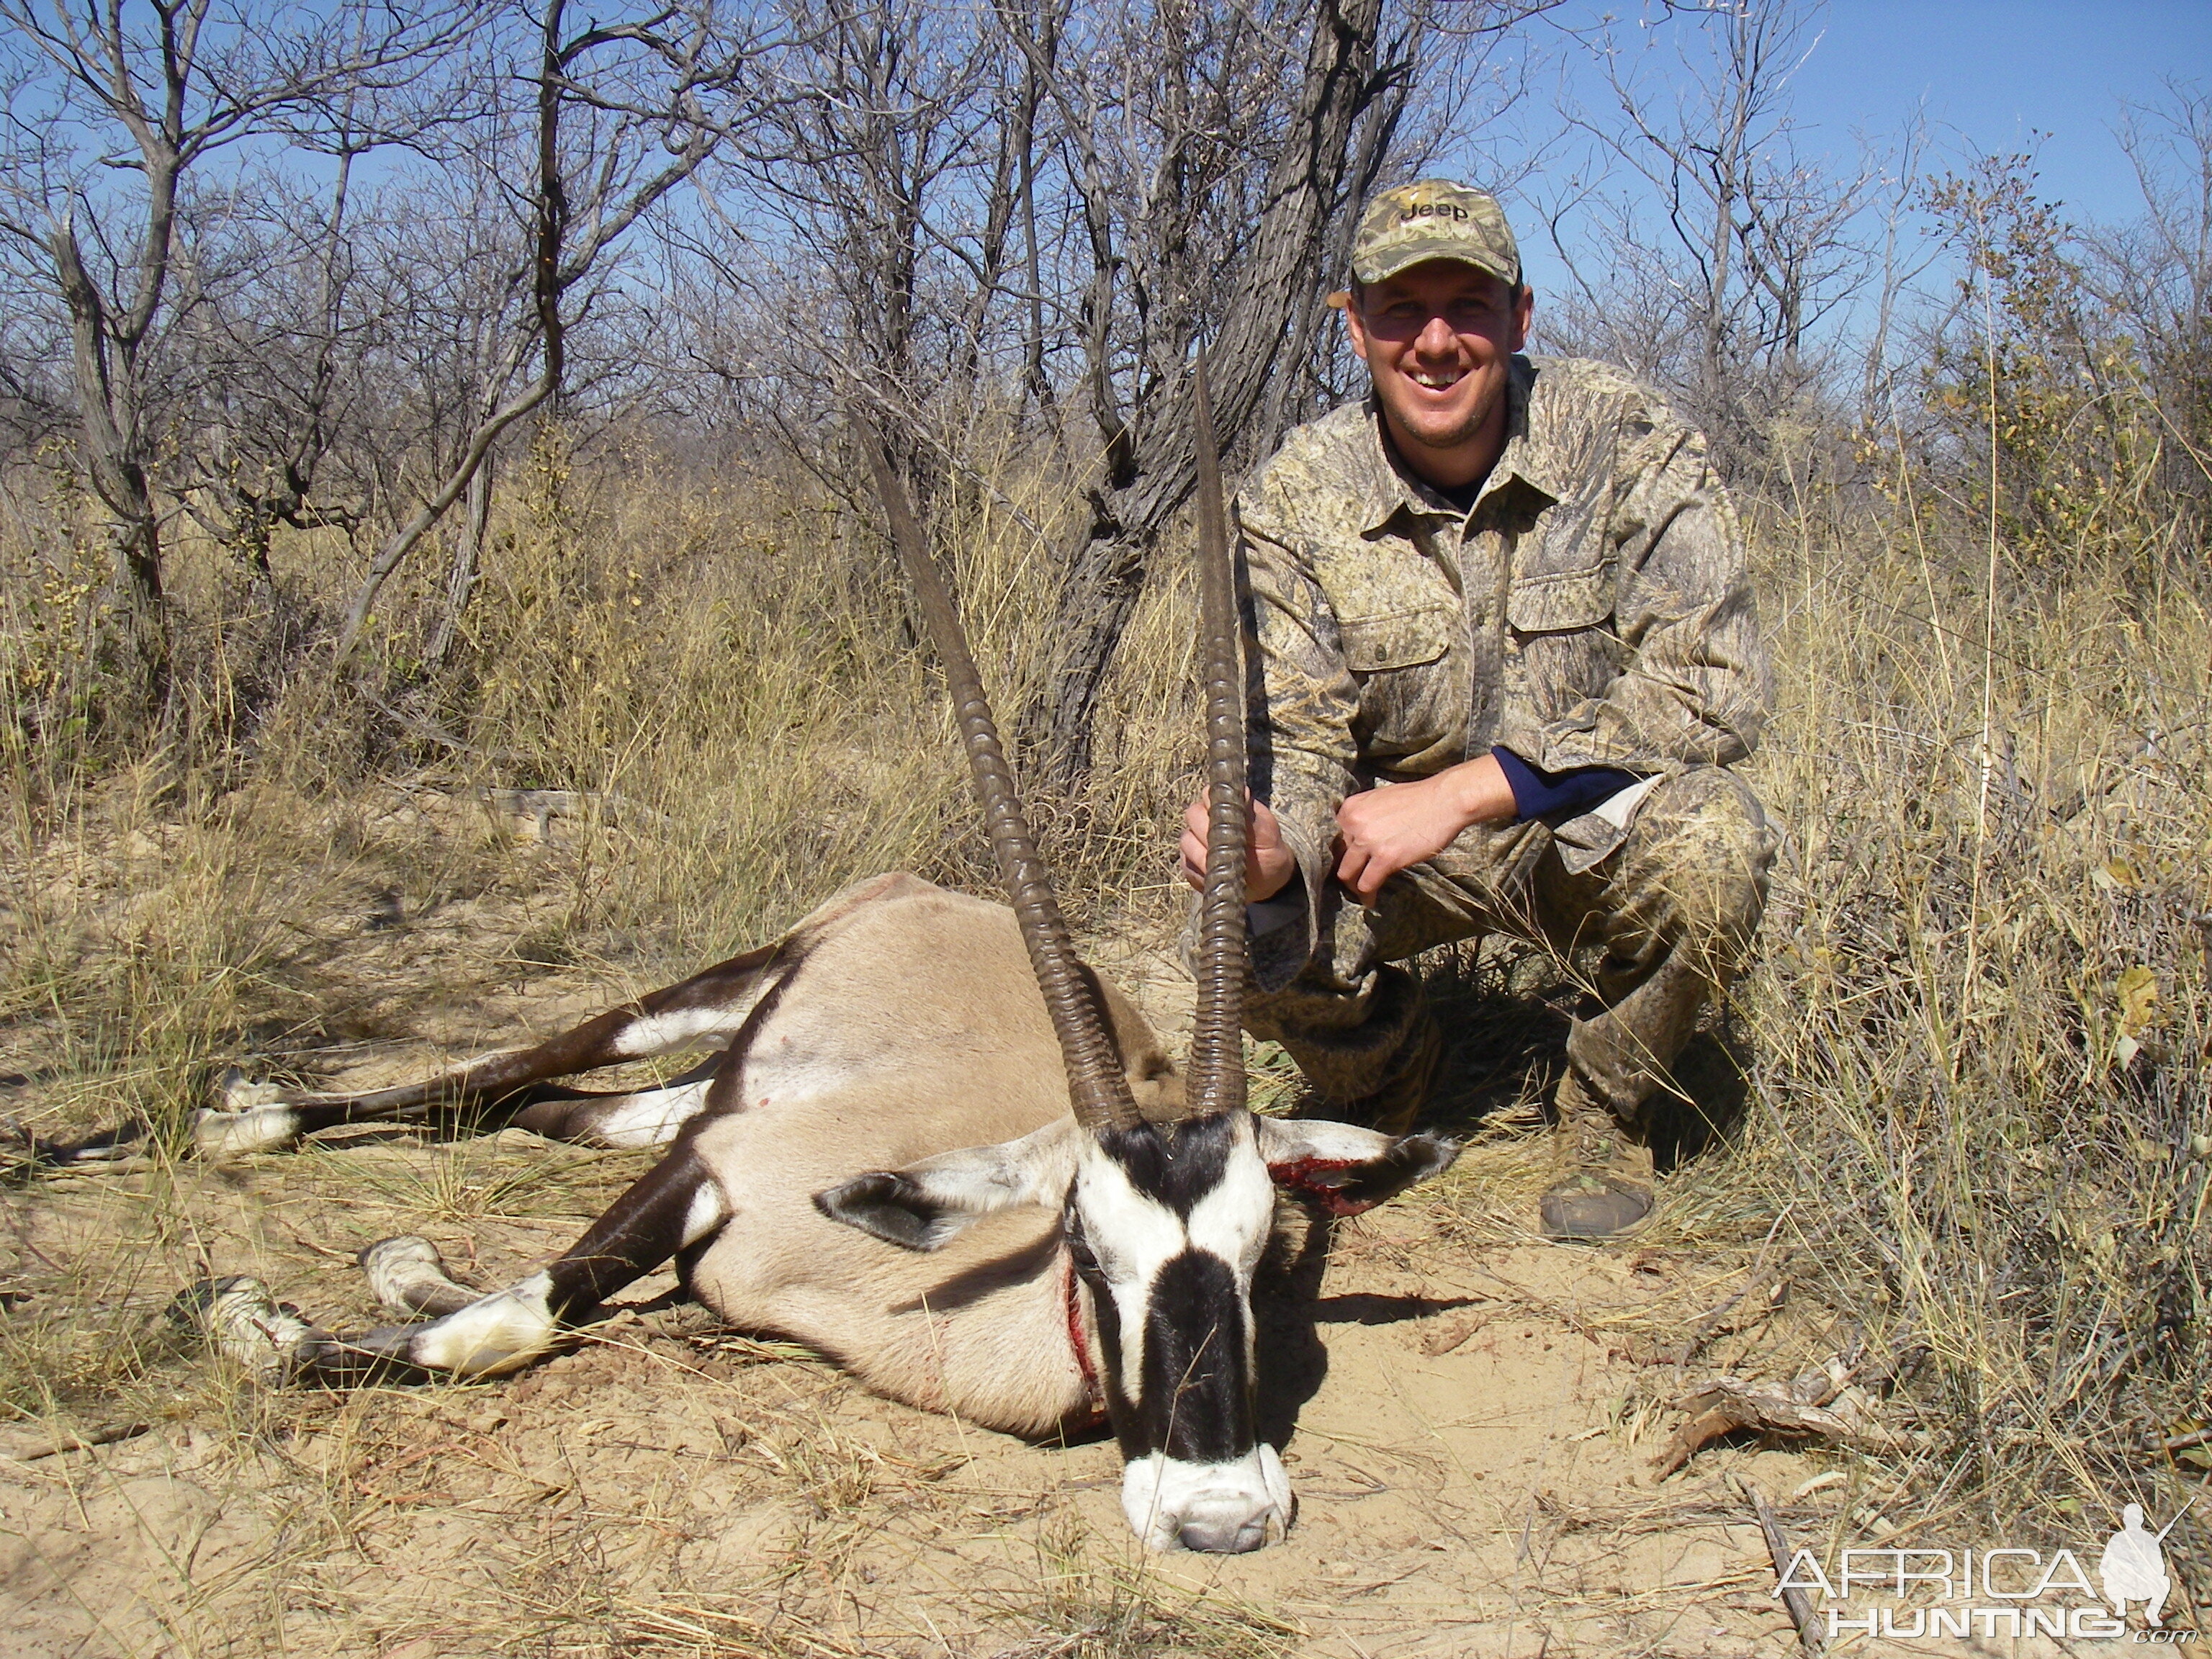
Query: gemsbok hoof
248 1117
241 1320
408 1277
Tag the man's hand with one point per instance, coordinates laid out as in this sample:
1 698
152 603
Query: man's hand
1387 829
1269 865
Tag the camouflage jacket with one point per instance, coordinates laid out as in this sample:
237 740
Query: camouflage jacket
1591 610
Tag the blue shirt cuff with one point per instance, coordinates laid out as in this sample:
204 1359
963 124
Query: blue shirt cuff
1555 797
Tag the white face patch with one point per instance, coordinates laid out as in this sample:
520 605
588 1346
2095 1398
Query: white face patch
506 1329
1131 1234
651 1117
1235 1220
1225 1508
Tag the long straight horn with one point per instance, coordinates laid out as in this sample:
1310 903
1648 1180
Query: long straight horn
1216 1046
1097 1086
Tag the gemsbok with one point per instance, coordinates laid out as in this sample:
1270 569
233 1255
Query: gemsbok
880 1159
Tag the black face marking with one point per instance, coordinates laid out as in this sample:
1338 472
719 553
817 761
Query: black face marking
1176 1163
1196 1398
1197 1401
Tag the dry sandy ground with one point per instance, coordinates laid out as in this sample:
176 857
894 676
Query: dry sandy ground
1467 1413
667 1485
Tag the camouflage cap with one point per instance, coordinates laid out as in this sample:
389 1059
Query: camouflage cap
1434 219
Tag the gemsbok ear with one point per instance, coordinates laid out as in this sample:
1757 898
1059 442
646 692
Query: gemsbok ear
926 1204
1345 1169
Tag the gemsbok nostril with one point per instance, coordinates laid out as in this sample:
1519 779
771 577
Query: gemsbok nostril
1223 1537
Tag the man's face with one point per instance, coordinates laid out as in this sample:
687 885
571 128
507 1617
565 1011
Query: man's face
1439 338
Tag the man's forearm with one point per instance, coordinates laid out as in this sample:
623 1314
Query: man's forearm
1478 792
1384 830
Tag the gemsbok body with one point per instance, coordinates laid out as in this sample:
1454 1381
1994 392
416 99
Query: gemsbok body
930 1144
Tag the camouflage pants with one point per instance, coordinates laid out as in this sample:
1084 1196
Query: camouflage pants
1654 931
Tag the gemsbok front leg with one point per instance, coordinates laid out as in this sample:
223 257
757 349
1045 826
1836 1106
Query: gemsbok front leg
675 1205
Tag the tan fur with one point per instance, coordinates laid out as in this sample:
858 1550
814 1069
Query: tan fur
912 1025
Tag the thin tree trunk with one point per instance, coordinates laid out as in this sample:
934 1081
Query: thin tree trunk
403 542
468 567
546 284
1040 387
138 634
1153 469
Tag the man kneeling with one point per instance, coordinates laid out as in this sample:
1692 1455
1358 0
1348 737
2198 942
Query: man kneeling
1502 650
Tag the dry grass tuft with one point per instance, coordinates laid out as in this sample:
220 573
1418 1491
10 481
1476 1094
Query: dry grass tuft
1982 1017
1108 1604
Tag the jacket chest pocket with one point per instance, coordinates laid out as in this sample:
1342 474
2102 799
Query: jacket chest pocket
1398 639
1561 601
1565 573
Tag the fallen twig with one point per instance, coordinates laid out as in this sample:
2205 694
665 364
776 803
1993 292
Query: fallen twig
1763 1287
1725 1405
1778 1552
47 1443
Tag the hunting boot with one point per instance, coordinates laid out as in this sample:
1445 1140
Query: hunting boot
1604 1185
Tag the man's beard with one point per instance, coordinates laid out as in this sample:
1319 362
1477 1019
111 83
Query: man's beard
1407 435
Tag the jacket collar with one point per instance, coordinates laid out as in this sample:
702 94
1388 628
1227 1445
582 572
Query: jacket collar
1389 488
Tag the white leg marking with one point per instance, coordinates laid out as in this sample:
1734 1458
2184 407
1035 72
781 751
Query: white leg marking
651 1117
504 1330
218 1136
707 1211
679 1028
